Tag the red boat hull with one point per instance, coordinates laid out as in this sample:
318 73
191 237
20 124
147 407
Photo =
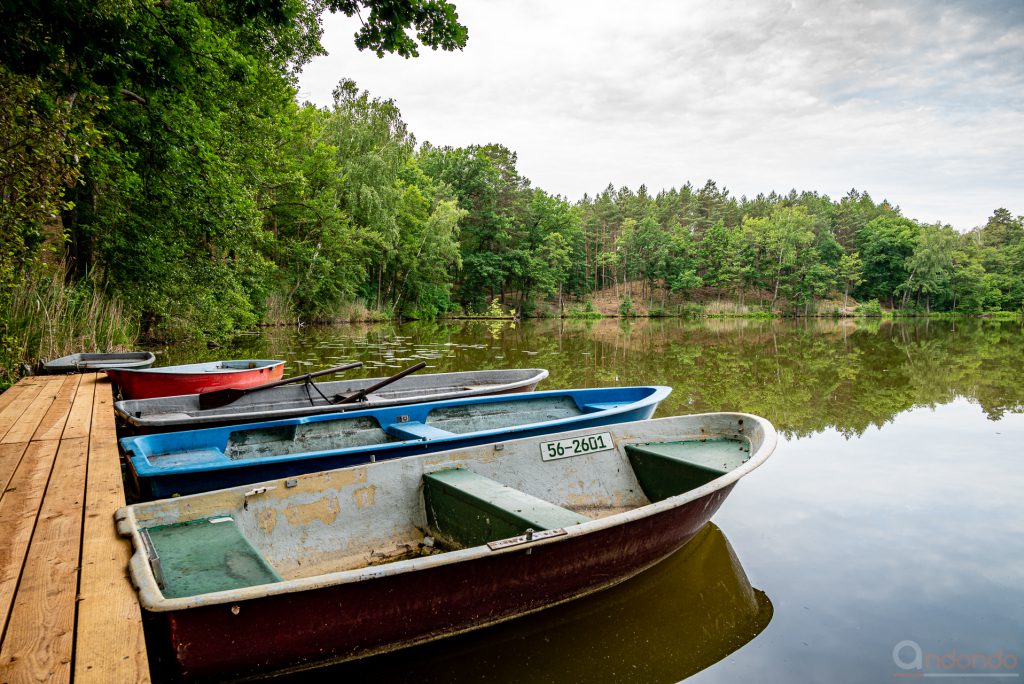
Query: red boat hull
347 621
142 384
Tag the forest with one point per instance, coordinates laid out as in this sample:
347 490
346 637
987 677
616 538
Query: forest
159 178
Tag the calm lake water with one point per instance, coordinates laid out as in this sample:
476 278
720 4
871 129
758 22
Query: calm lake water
890 517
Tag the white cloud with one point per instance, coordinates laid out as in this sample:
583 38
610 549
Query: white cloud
922 103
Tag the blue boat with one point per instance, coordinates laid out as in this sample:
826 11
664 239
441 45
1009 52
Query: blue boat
203 460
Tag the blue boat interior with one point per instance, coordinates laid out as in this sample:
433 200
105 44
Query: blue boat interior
444 420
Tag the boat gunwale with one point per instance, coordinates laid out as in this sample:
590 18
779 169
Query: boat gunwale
199 417
144 469
197 368
70 363
152 599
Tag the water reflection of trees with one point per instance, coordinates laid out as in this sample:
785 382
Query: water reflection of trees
805 375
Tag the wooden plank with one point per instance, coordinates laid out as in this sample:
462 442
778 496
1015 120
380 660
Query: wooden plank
20 387
26 425
40 632
12 393
10 457
80 417
19 509
52 424
110 645
12 412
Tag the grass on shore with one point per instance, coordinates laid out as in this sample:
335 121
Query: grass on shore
46 317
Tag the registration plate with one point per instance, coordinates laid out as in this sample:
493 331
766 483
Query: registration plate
574 446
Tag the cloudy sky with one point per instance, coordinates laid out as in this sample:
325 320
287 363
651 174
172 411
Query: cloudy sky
921 103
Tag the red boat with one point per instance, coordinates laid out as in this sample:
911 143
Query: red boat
194 378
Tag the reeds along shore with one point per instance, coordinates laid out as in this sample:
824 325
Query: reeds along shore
46 317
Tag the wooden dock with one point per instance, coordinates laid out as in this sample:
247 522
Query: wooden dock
67 608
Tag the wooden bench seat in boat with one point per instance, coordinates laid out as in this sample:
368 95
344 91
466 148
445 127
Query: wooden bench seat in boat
465 509
416 430
201 556
666 469
596 406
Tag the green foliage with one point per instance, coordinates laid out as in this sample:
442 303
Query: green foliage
42 134
495 310
930 265
587 311
384 30
160 145
849 273
159 149
886 245
45 317
870 309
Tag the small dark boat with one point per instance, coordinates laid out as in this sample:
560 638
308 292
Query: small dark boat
94 363
338 565
193 378
200 460
166 414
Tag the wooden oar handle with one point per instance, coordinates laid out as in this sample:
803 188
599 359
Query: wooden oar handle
317 374
361 394
307 376
223 397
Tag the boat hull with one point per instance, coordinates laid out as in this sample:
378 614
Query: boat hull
92 363
159 382
347 621
168 414
688 612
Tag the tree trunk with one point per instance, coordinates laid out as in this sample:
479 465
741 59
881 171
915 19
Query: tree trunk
380 276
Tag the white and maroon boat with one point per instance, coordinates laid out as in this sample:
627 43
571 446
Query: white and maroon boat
341 564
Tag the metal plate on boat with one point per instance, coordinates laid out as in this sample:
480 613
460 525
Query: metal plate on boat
574 446
524 539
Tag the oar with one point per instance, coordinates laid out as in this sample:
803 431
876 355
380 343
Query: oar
361 394
223 397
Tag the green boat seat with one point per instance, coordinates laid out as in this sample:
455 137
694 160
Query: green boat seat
416 430
666 469
465 509
201 556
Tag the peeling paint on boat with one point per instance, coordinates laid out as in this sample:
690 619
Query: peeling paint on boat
324 510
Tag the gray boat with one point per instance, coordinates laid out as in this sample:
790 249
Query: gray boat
94 363
164 414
